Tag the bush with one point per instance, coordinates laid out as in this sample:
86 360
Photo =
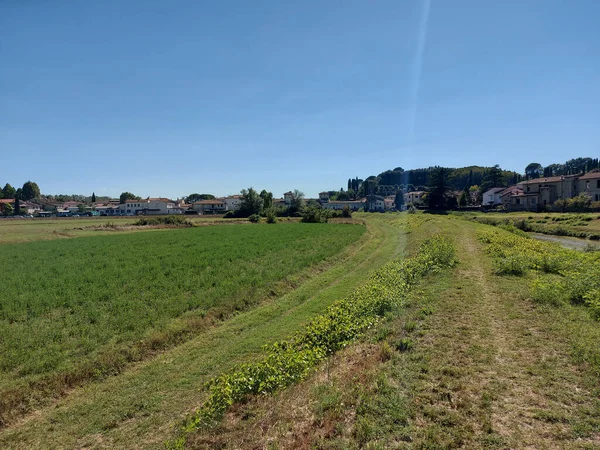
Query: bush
315 214
229 215
271 217
346 213
412 209
254 218
177 221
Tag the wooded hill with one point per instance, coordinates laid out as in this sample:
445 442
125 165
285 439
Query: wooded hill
391 181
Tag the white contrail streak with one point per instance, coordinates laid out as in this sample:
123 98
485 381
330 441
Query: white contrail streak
418 66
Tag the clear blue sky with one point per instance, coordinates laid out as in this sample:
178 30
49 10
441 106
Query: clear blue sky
173 97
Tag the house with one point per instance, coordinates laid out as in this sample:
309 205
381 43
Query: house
323 197
338 205
414 198
29 208
550 189
492 197
162 206
375 203
590 185
288 198
506 194
389 203
233 202
215 206
523 202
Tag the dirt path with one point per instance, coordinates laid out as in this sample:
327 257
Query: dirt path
499 377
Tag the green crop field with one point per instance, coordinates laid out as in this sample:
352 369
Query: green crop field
82 308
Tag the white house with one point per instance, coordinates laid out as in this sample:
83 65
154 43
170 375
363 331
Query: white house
161 206
353 205
375 203
492 197
215 206
414 198
233 202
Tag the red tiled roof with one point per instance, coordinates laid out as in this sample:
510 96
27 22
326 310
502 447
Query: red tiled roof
7 200
548 179
590 176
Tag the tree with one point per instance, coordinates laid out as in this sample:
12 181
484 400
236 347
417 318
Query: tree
492 179
462 201
349 184
8 209
579 203
399 201
251 203
267 198
17 202
297 203
533 170
30 190
93 197
127 196
8 191
193 198
439 183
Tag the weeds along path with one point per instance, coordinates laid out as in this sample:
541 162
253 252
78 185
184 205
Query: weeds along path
499 377
140 407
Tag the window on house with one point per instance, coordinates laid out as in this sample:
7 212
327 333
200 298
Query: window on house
528 188
518 201
598 184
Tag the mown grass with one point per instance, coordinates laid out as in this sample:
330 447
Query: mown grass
81 308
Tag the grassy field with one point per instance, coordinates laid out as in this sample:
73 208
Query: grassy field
82 308
483 355
27 230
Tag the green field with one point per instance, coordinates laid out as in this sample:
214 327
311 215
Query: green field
82 308
498 351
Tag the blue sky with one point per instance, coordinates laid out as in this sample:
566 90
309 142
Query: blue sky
173 97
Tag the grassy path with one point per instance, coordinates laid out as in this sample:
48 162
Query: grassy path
140 407
500 376
488 369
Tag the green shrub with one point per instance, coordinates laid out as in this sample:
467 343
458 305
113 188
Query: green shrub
315 214
271 217
592 301
404 345
229 215
254 218
510 265
547 292
178 221
346 213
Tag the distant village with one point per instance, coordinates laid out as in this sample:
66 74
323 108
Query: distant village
538 194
